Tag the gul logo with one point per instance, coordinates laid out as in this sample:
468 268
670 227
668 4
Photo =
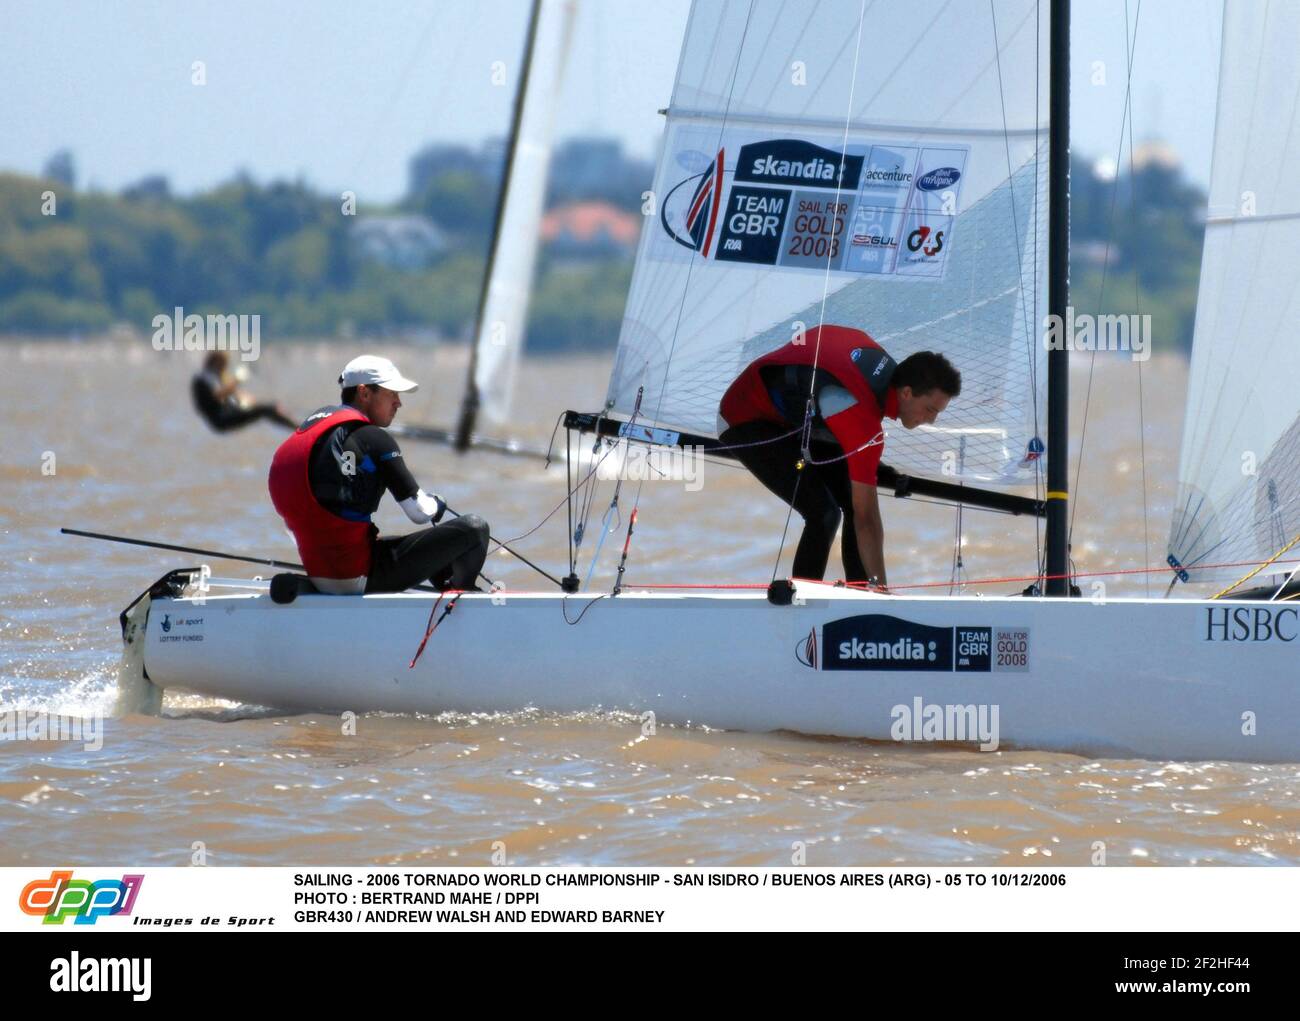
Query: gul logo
792 161
61 896
919 241
875 241
701 216
943 177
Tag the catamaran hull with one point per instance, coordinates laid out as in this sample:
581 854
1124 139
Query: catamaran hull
1179 679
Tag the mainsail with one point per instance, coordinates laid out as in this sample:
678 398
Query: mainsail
881 166
1238 500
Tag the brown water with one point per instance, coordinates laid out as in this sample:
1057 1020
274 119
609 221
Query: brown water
257 787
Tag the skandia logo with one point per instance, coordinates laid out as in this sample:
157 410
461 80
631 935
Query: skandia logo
61 897
901 649
943 177
700 217
879 641
792 161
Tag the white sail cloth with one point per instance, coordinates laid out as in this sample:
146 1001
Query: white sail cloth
1239 474
500 337
875 165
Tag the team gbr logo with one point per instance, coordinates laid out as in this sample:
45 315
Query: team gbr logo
699 219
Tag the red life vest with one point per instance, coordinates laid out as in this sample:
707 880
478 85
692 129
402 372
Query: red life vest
330 546
865 376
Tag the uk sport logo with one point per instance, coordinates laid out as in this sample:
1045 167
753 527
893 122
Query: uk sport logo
61 897
701 219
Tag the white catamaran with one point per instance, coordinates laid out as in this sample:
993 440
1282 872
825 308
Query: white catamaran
902 170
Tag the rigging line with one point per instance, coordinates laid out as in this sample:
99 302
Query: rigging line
1125 121
1039 484
564 608
568 500
839 184
1015 220
1137 303
1030 333
568 497
1256 571
690 270
690 266
1282 588
605 526
789 513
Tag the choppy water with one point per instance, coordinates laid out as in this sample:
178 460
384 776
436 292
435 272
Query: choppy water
257 787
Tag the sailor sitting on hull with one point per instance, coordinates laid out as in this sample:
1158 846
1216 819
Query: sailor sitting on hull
853 385
327 480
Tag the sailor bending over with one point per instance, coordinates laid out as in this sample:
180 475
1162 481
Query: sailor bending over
327 480
854 387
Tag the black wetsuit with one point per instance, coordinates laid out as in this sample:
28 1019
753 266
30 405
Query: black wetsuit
351 468
226 415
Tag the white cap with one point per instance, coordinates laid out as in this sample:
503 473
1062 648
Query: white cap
375 371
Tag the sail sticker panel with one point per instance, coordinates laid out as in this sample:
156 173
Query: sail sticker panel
878 641
885 208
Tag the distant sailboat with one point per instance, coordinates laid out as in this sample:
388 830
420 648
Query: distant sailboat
498 337
807 147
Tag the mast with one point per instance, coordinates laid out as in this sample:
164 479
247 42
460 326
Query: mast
469 406
1058 298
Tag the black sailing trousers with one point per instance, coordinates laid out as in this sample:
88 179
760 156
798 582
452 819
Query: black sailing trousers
820 493
448 555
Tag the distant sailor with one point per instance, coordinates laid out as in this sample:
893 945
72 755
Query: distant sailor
327 480
854 387
220 401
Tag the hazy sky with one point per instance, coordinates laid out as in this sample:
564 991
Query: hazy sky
343 93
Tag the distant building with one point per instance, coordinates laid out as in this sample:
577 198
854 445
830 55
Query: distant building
402 242
1094 253
1155 153
590 230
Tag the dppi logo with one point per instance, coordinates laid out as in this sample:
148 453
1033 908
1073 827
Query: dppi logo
806 651
702 214
166 624
60 896
916 241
